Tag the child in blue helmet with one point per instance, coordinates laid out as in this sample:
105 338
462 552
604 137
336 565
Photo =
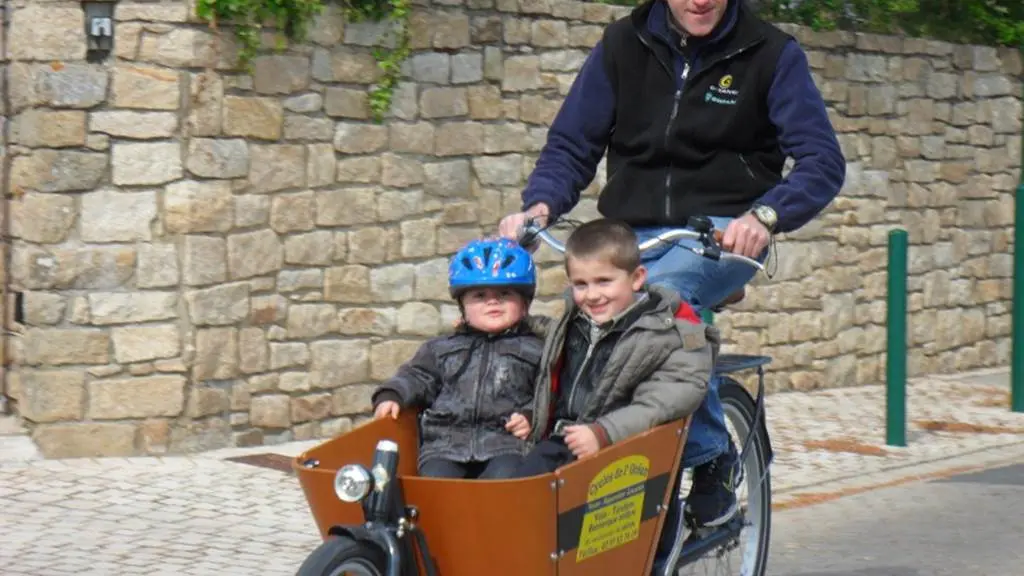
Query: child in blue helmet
475 386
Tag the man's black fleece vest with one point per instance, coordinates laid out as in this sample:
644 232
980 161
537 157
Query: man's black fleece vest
710 150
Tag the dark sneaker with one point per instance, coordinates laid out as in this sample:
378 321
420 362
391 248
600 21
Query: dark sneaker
712 499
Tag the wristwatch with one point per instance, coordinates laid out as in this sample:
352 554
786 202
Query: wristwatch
765 215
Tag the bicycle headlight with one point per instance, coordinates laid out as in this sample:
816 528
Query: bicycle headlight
352 483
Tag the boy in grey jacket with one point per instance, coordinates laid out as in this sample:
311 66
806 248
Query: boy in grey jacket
623 358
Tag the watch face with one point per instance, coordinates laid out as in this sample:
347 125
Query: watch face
766 215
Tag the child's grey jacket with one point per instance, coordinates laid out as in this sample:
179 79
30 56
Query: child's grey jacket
656 371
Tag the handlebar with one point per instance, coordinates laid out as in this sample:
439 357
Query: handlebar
699 228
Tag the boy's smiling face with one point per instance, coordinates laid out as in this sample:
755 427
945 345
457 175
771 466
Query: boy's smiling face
601 289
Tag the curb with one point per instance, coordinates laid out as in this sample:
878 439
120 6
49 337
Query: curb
924 470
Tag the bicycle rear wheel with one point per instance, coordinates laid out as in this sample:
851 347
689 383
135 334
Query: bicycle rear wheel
745 554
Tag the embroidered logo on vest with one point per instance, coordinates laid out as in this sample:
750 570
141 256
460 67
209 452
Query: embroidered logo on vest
722 93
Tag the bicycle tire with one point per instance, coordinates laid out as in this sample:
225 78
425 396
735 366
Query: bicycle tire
339 555
736 400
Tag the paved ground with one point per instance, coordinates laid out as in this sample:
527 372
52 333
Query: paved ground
205 515
965 524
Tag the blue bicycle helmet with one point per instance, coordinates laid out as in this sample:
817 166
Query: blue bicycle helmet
498 262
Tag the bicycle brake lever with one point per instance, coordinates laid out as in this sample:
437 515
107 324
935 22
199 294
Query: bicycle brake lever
528 236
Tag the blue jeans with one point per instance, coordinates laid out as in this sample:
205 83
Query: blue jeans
703 283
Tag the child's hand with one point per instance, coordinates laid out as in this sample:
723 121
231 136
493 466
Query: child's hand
518 425
581 440
386 408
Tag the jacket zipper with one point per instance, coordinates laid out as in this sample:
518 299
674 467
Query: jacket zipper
595 338
668 129
747 166
476 396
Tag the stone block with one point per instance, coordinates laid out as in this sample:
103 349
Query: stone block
107 308
347 103
360 169
44 309
58 171
55 346
293 212
387 356
216 354
418 319
219 305
345 65
417 138
86 440
400 171
320 164
311 320
218 157
52 395
42 218
521 73
443 102
112 216
346 206
179 48
392 283
261 118
254 253
157 266
353 138
146 88
40 128
134 125
192 206
297 127
337 363
447 179
310 249
144 343
271 411
46 32
146 163
281 74
274 167
204 260
59 85
304 103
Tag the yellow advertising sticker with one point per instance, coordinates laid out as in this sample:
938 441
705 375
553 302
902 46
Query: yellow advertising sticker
615 503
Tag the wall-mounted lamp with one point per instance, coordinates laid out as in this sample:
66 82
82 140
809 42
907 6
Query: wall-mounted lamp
99 29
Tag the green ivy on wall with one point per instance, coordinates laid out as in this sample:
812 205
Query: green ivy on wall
292 18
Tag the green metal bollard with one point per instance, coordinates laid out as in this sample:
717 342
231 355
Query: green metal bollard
1017 346
1017 339
896 341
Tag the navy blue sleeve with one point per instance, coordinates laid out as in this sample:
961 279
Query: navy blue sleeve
797 110
576 140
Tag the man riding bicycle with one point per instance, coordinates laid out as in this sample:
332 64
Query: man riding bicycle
698 103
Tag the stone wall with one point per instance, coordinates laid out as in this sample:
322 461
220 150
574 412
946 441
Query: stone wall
212 258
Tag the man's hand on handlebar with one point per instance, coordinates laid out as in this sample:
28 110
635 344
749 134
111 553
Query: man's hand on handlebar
512 225
746 236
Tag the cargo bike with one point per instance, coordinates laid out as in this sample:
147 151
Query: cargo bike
617 513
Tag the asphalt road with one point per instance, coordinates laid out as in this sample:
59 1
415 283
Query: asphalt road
966 525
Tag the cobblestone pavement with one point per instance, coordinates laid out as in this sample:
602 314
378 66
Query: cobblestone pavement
205 515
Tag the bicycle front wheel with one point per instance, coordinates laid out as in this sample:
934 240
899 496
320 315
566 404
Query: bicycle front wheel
746 553
343 556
